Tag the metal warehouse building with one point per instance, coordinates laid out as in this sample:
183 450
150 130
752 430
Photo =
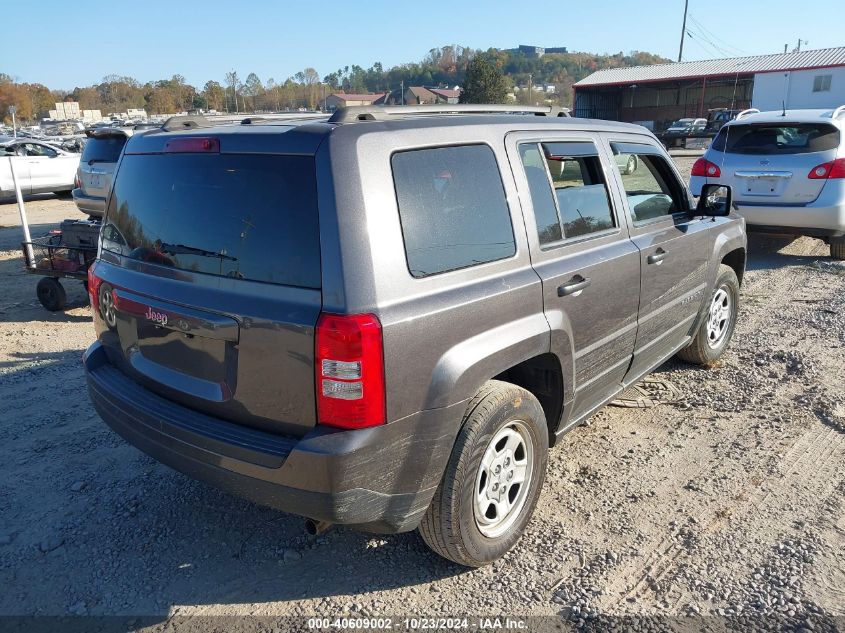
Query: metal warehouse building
655 96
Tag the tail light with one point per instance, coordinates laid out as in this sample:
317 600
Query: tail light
826 171
94 287
192 144
349 364
77 183
703 167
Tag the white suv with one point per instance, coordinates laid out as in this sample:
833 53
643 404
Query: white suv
786 170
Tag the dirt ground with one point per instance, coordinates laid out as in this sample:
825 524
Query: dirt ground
729 501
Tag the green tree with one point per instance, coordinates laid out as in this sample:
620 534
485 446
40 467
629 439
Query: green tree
484 82
214 95
253 88
234 83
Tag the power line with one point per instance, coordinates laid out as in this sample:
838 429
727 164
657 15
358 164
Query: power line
710 33
708 48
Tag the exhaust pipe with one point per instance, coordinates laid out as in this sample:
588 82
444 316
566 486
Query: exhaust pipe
315 528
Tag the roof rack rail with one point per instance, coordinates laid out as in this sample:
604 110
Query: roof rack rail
745 113
182 122
838 112
283 117
353 114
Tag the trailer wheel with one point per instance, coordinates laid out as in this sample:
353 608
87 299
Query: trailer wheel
51 294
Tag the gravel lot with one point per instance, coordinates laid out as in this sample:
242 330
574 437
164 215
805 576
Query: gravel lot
728 502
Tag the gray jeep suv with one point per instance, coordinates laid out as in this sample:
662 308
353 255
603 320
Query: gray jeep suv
386 318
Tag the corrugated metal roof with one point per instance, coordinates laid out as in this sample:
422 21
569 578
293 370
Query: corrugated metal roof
821 58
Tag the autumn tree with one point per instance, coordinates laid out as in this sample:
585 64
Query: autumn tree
160 101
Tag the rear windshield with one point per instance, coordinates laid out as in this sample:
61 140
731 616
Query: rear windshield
783 138
103 149
235 215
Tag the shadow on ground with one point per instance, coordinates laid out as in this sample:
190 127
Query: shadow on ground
764 252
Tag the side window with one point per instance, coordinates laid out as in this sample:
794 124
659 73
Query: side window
542 196
567 187
452 208
33 149
651 187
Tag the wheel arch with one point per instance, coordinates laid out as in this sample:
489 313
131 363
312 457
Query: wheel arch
736 259
520 352
542 377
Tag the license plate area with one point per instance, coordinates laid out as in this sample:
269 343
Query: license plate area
95 181
764 186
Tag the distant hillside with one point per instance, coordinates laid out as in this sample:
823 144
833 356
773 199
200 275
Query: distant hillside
444 66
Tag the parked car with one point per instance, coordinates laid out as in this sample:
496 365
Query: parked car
717 117
96 169
787 172
676 134
385 319
40 167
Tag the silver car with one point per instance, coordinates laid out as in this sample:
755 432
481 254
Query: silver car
39 167
96 169
786 170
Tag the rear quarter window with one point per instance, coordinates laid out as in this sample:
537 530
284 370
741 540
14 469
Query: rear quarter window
452 208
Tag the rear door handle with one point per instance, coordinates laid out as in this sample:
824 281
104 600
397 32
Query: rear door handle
657 257
574 286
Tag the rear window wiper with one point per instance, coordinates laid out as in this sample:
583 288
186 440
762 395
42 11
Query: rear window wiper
181 249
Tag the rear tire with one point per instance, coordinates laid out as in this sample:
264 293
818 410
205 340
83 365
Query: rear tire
837 247
493 478
51 294
718 322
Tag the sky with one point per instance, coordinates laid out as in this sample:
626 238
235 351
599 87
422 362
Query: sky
156 39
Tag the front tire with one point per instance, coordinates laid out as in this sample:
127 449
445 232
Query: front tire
717 326
493 478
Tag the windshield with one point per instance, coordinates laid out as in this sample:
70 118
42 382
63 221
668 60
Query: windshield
236 215
776 138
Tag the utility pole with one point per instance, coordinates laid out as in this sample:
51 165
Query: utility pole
530 86
402 91
683 31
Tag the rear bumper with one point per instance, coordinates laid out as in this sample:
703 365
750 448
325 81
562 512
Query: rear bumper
91 205
380 479
827 219
825 216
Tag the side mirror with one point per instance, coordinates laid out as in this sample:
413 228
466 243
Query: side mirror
715 200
